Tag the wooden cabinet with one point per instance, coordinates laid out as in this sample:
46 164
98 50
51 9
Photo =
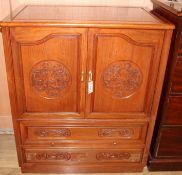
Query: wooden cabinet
166 148
84 86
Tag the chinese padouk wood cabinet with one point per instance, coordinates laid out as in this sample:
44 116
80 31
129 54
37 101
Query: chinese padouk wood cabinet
84 84
166 148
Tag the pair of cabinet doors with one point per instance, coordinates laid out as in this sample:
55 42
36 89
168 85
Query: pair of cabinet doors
85 72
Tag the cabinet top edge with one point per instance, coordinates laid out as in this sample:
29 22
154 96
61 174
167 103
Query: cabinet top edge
84 16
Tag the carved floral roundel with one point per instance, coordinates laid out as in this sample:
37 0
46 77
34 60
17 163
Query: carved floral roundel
122 78
49 78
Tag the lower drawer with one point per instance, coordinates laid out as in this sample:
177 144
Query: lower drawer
170 142
76 156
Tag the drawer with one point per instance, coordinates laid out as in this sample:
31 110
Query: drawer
173 111
170 142
177 80
56 133
76 156
179 55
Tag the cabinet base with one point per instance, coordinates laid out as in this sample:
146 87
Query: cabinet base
165 165
42 168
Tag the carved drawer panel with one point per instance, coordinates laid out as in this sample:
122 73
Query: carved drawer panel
177 80
37 133
70 156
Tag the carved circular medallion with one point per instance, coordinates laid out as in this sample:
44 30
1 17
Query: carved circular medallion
122 78
50 78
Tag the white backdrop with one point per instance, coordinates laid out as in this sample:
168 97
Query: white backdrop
145 3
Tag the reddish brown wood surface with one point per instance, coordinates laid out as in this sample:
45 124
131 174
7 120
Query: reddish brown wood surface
59 126
166 146
168 140
172 6
121 74
176 86
172 114
75 156
49 78
84 16
55 133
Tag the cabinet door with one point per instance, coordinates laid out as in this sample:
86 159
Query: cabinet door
123 65
48 66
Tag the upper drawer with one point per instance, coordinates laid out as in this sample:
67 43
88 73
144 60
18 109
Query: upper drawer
173 111
55 134
177 80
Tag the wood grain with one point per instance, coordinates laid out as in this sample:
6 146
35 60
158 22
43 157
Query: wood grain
62 127
9 166
166 145
55 133
66 56
85 16
111 46
172 7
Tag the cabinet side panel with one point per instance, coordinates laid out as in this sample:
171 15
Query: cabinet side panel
12 90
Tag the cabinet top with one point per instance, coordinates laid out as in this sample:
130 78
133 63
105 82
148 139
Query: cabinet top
174 6
84 16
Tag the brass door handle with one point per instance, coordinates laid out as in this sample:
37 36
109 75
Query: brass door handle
83 76
90 76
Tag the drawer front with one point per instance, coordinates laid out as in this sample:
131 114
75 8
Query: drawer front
170 142
177 80
180 50
173 112
179 56
45 132
70 156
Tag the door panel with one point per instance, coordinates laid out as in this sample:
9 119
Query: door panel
49 63
121 64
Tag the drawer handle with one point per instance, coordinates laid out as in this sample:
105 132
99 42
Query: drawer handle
52 143
83 76
114 143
